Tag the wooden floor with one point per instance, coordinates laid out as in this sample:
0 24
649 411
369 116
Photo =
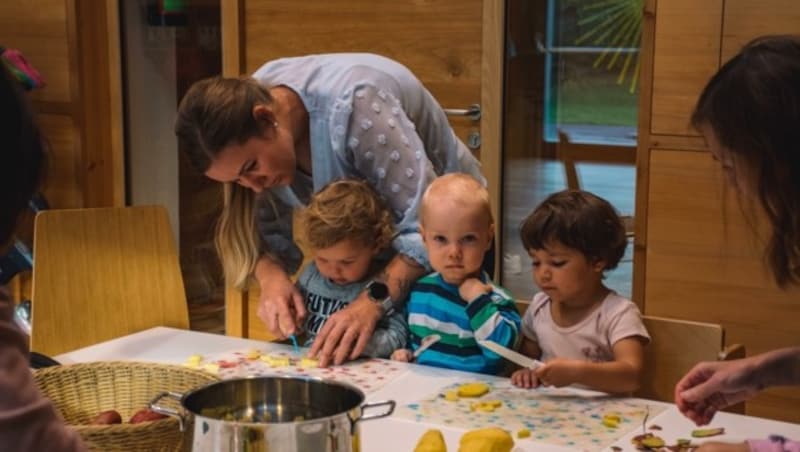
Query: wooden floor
527 182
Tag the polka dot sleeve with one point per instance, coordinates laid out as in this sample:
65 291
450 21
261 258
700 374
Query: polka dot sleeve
386 149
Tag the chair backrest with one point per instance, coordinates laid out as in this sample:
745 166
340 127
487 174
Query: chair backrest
675 347
103 273
570 154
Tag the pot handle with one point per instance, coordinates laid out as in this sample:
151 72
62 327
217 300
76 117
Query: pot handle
169 411
365 417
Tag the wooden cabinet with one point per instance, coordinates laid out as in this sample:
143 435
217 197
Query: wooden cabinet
743 20
686 55
698 255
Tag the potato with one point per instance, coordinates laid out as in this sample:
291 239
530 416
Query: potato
146 415
108 417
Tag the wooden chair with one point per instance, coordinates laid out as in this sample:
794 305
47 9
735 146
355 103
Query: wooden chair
103 273
675 347
570 154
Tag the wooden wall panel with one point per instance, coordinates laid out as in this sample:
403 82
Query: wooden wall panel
74 44
746 19
704 263
687 46
39 29
63 186
439 41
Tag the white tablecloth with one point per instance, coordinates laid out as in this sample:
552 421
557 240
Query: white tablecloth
168 345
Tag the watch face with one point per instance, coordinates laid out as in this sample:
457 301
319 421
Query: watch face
378 291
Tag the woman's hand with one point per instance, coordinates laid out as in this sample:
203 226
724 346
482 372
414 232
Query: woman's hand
525 378
346 332
559 372
712 386
281 305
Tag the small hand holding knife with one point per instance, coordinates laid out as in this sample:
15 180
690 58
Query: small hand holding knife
511 355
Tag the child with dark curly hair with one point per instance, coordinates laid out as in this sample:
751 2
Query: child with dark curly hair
586 334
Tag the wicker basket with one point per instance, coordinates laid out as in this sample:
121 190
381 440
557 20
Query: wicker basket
82 391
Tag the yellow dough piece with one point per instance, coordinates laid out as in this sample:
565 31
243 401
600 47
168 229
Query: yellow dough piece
252 354
431 441
611 420
451 396
653 442
211 367
490 439
524 433
276 360
487 406
309 363
194 361
473 389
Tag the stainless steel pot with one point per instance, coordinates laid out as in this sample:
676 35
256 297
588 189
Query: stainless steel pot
275 414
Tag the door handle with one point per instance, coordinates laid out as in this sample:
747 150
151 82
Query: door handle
473 112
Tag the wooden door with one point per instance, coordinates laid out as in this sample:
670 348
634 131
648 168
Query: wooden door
454 47
73 45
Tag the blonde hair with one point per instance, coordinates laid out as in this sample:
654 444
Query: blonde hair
214 113
460 188
237 239
346 209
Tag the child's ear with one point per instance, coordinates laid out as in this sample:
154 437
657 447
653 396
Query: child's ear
422 232
490 236
262 112
599 265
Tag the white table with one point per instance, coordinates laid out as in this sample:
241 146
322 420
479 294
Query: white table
168 345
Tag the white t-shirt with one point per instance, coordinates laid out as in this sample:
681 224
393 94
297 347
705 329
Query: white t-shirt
591 339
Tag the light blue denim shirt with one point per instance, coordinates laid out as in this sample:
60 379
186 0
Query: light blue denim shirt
370 118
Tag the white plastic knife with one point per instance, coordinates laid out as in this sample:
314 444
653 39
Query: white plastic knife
425 344
511 355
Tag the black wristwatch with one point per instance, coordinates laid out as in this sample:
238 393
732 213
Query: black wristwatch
379 293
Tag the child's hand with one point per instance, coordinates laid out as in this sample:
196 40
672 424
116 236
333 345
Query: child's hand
472 288
402 354
559 372
525 378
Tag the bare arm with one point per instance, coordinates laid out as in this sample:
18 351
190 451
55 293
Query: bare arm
281 306
712 386
778 368
400 274
619 376
347 332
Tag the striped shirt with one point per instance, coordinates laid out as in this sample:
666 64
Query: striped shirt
435 307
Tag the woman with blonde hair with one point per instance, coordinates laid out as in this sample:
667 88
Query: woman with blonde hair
295 125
